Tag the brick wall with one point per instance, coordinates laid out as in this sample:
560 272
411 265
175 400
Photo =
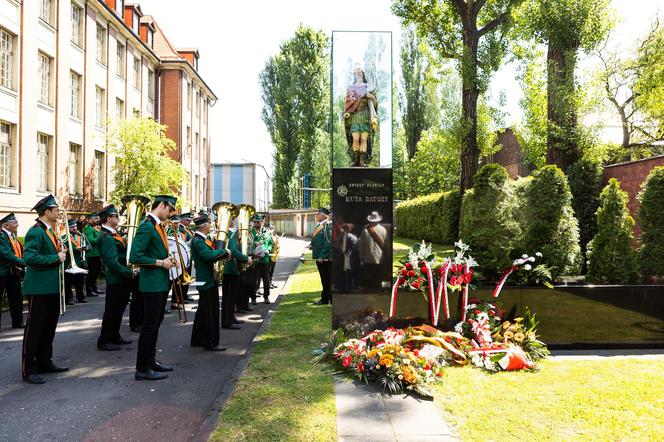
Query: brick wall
170 103
631 175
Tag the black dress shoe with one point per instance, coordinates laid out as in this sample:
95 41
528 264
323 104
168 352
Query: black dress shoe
34 379
320 302
273 286
108 347
215 348
253 302
149 375
92 295
52 369
70 302
232 327
97 292
83 301
238 321
159 367
122 341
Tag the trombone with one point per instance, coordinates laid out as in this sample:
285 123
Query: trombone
63 225
180 280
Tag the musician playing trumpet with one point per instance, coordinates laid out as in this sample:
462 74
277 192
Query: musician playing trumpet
12 268
205 332
43 257
113 251
150 252
79 246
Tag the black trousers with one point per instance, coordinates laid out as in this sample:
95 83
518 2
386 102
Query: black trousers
43 314
246 286
117 297
325 273
11 285
94 269
185 290
136 305
75 280
273 264
154 304
205 331
229 299
263 274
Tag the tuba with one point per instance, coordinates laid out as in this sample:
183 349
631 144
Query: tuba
224 212
245 212
134 209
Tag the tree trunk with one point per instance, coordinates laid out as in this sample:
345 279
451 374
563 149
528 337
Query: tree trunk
470 93
562 131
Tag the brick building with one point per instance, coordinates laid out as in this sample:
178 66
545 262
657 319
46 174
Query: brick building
69 67
510 155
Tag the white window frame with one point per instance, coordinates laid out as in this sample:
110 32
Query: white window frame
74 169
99 180
76 16
137 73
151 85
75 99
100 106
44 162
7 40
135 23
45 64
101 38
121 60
189 94
7 156
121 5
46 11
119 109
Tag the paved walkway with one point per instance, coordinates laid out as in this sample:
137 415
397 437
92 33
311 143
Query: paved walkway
364 414
98 399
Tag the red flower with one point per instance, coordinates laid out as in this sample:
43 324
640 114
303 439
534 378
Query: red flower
360 367
401 281
409 266
404 272
423 270
477 312
346 361
439 374
427 367
492 312
416 285
454 280
411 273
416 352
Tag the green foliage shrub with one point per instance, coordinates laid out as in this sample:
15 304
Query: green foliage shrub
585 183
487 222
611 259
651 218
432 217
551 226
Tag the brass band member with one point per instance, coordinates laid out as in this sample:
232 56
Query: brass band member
79 246
42 256
12 268
263 242
274 256
321 251
92 232
113 251
150 252
205 331
231 287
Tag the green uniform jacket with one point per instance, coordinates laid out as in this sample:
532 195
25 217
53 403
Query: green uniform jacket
114 255
78 255
204 257
7 257
146 249
231 266
321 242
93 235
43 263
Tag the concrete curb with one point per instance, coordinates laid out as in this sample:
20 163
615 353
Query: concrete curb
210 423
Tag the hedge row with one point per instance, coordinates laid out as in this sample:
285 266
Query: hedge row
432 217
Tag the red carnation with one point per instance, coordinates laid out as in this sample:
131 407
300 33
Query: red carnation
409 266
453 280
416 285
411 273
360 367
346 361
404 272
423 270
401 281
477 312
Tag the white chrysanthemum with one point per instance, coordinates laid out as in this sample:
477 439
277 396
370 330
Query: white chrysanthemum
482 316
430 352
527 267
459 328
538 254
531 259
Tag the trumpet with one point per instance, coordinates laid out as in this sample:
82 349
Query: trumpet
225 213
245 212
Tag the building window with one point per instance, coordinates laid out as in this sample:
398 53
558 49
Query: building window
6 156
197 147
198 103
204 193
119 7
150 85
101 44
76 15
150 38
43 158
121 64
75 81
205 111
136 113
45 11
99 179
75 182
188 146
45 78
137 73
6 59
119 109
99 106
136 23
189 91
204 149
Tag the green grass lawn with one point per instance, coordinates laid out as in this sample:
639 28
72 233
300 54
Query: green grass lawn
608 399
281 396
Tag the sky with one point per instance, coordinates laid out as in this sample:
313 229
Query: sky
235 39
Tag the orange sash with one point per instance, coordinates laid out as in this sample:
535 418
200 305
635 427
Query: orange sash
18 249
161 233
318 229
119 238
54 241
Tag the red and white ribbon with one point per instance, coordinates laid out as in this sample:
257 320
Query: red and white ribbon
464 296
507 272
442 292
432 299
393 298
